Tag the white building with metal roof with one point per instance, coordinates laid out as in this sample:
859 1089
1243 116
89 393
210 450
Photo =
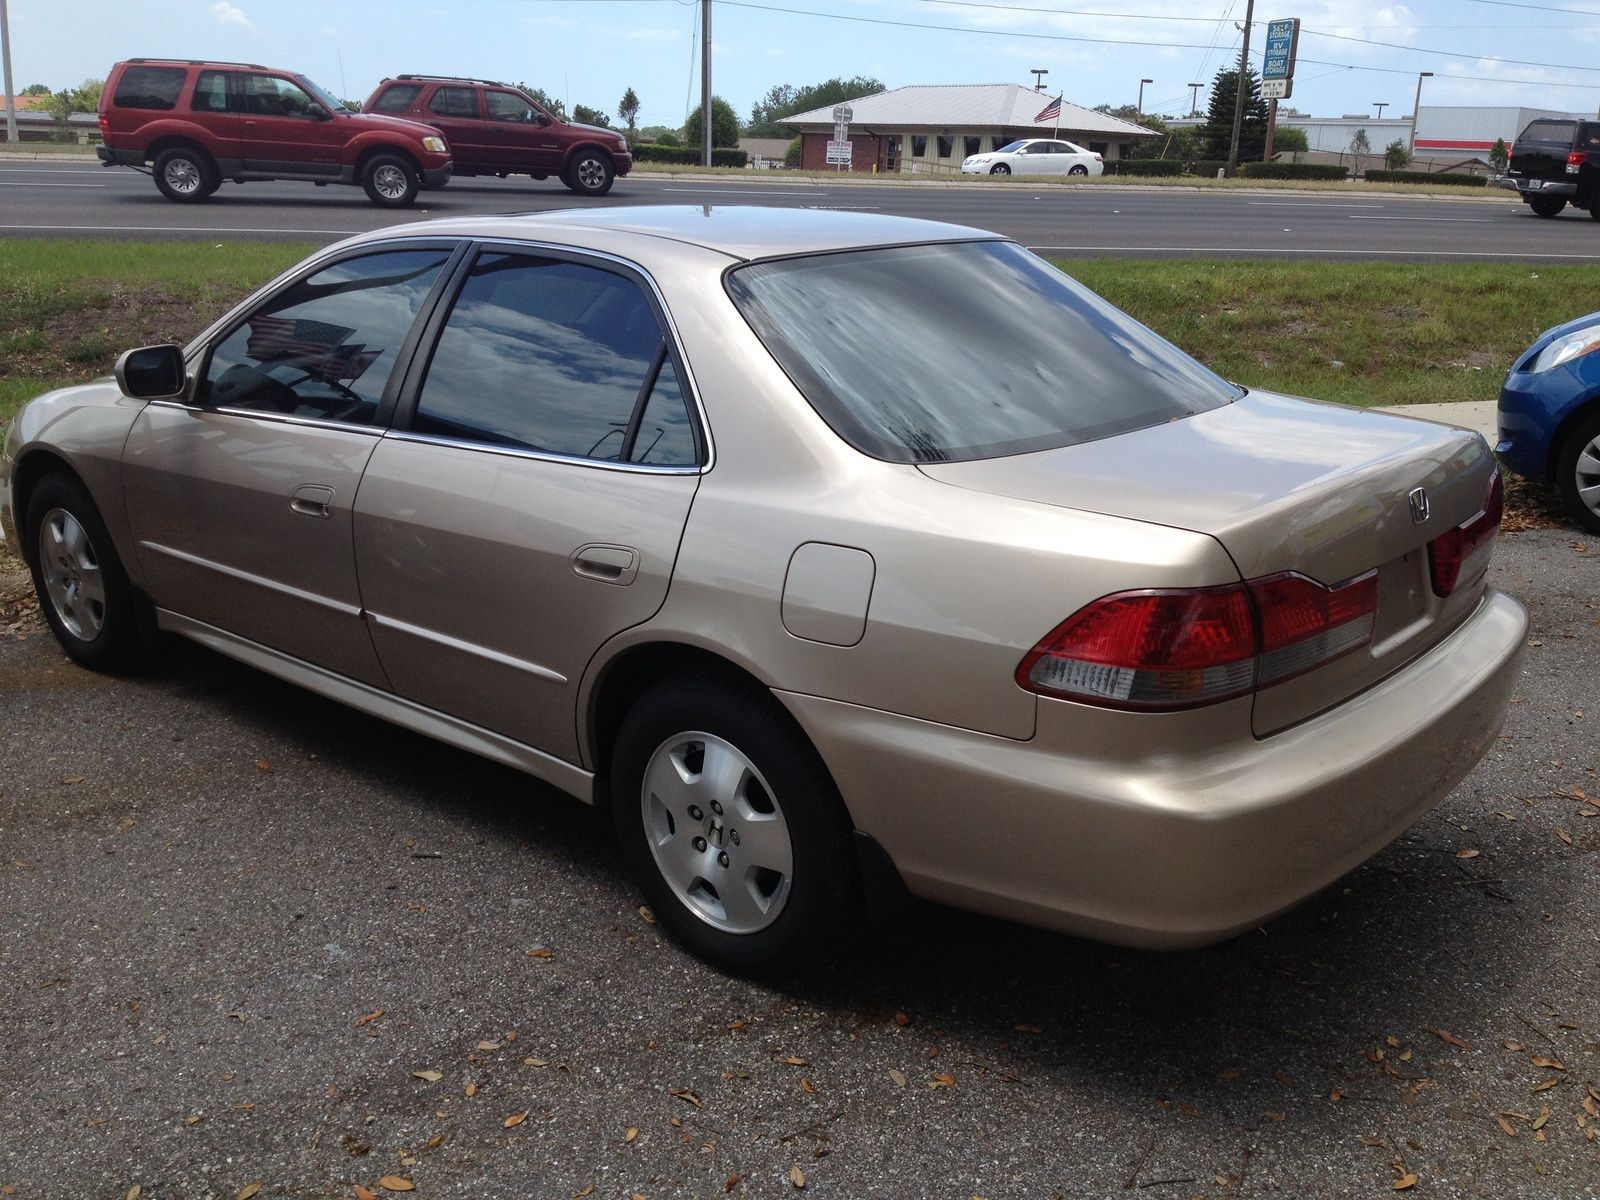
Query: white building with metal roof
932 127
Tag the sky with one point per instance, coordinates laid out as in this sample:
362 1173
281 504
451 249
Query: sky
1353 54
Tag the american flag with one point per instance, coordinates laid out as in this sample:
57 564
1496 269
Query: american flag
1051 111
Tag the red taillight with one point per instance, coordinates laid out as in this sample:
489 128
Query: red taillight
1463 552
1577 158
105 124
1164 650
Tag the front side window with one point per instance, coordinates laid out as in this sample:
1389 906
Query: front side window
556 357
270 96
398 99
508 106
324 348
454 102
885 344
149 87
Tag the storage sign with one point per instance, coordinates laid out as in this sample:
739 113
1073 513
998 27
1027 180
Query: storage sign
1282 41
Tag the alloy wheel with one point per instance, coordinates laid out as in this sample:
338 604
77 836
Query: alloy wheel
72 574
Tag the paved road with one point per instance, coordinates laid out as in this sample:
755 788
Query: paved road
82 200
210 882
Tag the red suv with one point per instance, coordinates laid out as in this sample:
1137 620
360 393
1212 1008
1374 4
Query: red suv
198 123
495 129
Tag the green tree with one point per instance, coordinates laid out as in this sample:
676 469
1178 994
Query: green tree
785 100
724 125
1499 156
1395 155
585 115
36 89
654 133
668 137
791 156
63 104
1286 139
628 110
1218 127
554 107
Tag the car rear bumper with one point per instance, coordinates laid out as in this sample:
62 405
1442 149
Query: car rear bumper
1175 844
1530 188
119 158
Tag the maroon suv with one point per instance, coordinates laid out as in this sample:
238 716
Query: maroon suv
198 123
496 129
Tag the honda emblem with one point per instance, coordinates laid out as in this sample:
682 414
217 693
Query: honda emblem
1419 505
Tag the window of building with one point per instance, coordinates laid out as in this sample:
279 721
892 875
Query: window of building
919 145
974 145
999 142
947 145
149 87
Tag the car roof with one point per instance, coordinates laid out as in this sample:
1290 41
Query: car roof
738 231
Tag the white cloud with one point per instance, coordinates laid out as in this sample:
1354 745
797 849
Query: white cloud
231 14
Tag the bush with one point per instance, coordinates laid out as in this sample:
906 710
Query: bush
1449 178
656 152
1205 166
1282 170
669 139
1144 166
791 156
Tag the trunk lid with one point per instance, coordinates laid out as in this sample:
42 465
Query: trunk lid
1285 485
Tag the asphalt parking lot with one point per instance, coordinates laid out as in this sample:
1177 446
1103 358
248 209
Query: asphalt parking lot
250 938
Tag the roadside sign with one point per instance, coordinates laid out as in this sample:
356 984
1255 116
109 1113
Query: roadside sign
840 152
1283 39
1276 89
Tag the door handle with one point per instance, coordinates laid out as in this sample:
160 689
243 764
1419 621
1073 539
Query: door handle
312 500
606 563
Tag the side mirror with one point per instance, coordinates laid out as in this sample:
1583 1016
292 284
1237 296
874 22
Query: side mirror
151 373
540 119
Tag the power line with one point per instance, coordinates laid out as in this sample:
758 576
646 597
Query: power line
1581 12
1516 62
1128 16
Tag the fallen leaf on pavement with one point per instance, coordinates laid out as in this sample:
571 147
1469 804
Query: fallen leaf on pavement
488 1045
471 1090
732 1181
1510 1129
248 1190
902 1019
535 1062
1445 1035
589 1191
791 1061
797 1177
1468 853
1545 1086
1554 1064
1408 1180
1563 835
686 1094
1509 1044
1541 1120
942 1079
807 1086
263 766
649 917
430 1076
515 1119
633 1132
135 1191
396 1183
541 952
368 1018
899 1077
366 1193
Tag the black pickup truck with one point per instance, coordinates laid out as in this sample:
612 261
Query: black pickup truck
1556 162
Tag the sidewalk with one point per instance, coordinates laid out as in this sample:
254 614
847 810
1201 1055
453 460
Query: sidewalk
1477 415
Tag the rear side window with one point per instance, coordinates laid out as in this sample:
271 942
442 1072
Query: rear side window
964 351
149 87
556 357
399 98
210 92
324 348
454 102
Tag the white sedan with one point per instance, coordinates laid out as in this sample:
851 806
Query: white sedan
1035 156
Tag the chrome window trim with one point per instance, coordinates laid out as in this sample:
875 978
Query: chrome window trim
633 269
571 460
373 431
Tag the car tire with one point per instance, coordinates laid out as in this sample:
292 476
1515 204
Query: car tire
731 825
590 173
1079 169
185 175
1000 169
390 181
1578 473
82 587
1547 206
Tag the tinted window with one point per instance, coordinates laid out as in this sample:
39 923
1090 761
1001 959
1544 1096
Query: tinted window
454 102
210 92
542 355
269 96
1011 147
973 145
919 144
325 347
946 145
1000 143
149 87
1549 131
399 98
506 106
666 433
964 351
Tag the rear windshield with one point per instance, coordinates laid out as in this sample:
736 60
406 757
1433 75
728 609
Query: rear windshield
1549 131
961 351
149 87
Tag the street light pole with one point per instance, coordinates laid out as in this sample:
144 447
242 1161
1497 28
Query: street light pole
1194 99
1038 74
705 82
1415 105
1142 82
1380 105
1238 97
5 53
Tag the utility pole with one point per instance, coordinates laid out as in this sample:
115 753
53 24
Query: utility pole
5 53
705 83
1194 99
1244 84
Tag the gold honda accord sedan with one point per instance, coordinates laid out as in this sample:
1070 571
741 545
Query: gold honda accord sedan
833 553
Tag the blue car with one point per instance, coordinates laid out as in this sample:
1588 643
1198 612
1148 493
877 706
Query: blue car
1550 416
